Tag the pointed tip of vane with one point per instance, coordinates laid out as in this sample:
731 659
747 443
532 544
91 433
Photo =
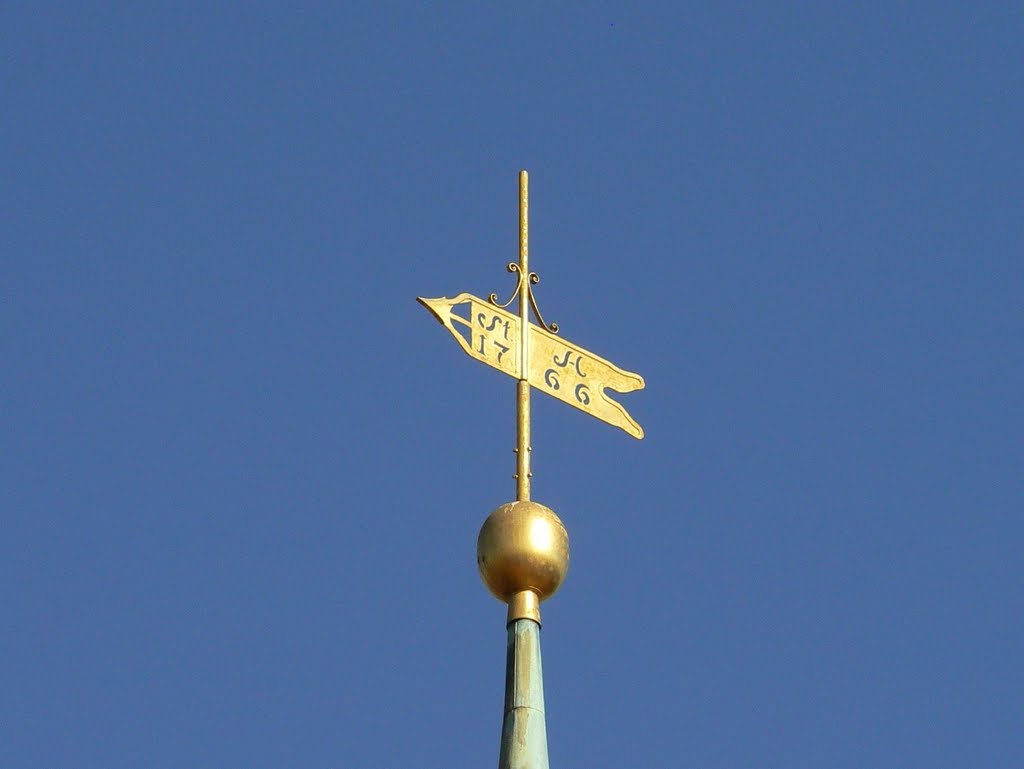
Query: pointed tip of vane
432 305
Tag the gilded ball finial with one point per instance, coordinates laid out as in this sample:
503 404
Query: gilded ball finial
522 546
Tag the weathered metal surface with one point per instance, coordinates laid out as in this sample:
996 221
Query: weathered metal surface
524 738
524 604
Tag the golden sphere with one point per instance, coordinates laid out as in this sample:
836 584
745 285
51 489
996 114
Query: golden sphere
522 546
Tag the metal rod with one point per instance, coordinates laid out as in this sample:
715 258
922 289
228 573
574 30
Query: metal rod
523 385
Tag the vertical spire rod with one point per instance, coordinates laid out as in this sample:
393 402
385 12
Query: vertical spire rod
523 386
524 740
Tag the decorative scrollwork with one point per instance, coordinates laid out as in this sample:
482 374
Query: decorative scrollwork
493 298
524 280
553 327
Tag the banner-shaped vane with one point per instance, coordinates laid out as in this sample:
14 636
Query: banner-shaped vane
557 367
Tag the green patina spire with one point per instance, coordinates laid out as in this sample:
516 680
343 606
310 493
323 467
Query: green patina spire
524 736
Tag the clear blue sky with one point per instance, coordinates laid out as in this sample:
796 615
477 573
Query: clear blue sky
243 471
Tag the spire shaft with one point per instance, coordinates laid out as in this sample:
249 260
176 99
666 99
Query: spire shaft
523 386
524 738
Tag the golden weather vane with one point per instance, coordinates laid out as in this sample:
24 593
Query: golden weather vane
523 547
533 354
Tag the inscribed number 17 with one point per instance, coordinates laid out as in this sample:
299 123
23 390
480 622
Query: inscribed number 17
495 322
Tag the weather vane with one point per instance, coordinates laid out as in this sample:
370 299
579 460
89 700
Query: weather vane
523 547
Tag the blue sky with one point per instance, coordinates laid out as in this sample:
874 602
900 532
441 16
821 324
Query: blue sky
243 470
